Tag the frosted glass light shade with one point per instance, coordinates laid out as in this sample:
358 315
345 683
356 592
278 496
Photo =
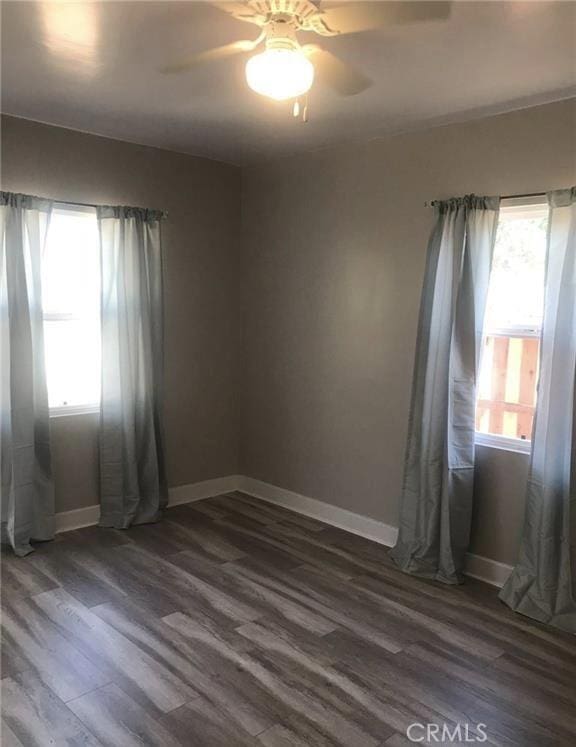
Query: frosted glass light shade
280 73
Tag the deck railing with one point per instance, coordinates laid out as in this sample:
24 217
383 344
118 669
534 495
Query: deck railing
507 389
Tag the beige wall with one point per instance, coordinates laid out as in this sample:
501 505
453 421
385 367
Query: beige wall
333 265
201 253
330 278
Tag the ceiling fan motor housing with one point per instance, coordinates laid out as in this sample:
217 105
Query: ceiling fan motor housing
281 33
299 11
302 15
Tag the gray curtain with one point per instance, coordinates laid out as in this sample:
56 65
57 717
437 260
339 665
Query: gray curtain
542 585
436 503
132 479
27 490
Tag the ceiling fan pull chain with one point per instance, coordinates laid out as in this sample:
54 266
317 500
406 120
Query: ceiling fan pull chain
305 109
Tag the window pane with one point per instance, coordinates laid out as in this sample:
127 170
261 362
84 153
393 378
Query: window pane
71 300
510 355
72 362
516 292
70 266
507 386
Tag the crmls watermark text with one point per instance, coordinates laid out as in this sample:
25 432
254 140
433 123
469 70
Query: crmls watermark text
446 733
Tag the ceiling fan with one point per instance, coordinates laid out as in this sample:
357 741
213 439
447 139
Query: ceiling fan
285 69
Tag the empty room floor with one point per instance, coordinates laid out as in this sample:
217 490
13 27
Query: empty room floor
235 622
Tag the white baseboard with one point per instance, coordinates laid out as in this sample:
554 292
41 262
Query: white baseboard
199 490
337 517
86 517
66 521
477 566
485 569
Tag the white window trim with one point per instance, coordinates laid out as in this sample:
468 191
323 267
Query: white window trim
71 207
504 443
50 316
523 207
510 209
88 408
61 411
513 332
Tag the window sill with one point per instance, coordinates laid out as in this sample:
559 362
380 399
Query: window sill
504 443
68 410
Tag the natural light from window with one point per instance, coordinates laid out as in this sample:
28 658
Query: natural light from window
71 301
511 347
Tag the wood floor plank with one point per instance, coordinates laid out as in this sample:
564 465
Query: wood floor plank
291 541
517 696
403 613
329 607
401 740
21 578
125 570
203 657
190 591
235 505
36 717
294 733
94 537
207 543
539 673
158 640
202 509
11 659
147 680
296 608
115 719
495 636
9 739
302 641
323 713
244 539
318 681
246 673
163 642
66 568
200 722
232 687
158 539
281 514
42 648
261 601
237 622
409 698
457 701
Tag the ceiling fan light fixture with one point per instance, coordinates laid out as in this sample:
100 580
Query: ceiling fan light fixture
280 73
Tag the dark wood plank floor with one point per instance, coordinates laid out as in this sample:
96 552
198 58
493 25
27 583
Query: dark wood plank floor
234 622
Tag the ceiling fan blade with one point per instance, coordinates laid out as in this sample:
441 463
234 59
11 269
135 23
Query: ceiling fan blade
217 53
239 11
335 73
350 18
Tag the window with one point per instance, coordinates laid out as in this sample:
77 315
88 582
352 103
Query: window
71 305
511 346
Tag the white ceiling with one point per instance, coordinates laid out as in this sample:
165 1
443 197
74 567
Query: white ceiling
103 77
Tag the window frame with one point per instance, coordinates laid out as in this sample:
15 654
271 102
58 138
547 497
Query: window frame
87 408
62 411
518 207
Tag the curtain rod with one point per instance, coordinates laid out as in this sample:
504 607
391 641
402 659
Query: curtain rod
92 205
528 194
503 197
